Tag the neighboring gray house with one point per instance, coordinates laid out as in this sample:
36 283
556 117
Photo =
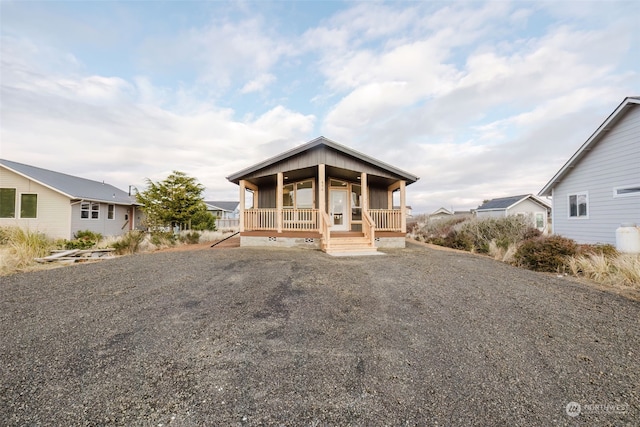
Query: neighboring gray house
225 210
598 189
59 205
227 213
527 204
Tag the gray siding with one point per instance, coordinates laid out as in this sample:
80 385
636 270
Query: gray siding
492 214
104 226
613 162
378 198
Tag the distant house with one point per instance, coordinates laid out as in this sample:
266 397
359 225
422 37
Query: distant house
598 189
227 213
527 204
59 205
323 195
442 213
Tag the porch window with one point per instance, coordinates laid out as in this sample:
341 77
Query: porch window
578 205
7 202
356 202
28 205
298 195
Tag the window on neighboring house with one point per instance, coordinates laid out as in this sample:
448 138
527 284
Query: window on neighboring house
7 202
89 210
28 206
111 211
578 205
540 220
627 190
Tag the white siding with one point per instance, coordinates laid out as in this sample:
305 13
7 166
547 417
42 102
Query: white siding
530 208
491 214
102 225
53 208
613 162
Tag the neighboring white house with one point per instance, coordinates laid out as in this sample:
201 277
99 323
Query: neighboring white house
442 213
59 205
527 204
598 189
227 213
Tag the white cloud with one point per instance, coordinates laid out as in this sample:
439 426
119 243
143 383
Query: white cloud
258 84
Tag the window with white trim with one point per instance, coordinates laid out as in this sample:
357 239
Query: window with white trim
111 211
627 190
28 205
579 205
89 210
7 202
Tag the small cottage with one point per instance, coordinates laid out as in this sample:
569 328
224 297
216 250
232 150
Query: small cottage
323 195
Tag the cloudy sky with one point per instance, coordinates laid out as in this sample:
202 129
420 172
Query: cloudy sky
479 99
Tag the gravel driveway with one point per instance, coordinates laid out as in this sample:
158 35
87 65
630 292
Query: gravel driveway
295 337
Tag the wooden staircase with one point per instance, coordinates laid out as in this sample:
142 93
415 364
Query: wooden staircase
349 242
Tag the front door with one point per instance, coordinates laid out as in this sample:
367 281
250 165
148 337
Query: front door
339 209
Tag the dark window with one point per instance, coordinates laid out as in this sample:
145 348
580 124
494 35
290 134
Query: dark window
7 202
28 206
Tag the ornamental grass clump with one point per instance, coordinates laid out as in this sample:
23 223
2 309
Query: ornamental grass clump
614 270
20 247
129 243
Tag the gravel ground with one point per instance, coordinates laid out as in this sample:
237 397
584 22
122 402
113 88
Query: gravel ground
295 337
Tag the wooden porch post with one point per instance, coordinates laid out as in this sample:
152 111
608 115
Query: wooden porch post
279 194
365 191
403 206
243 190
322 189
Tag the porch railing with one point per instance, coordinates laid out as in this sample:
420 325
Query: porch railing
325 225
309 219
300 219
387 219
369 228
292 219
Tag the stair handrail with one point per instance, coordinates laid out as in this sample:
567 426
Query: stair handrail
325 224
369 227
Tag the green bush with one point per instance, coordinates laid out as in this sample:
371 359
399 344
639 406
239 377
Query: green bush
190 238
545 253
203 220
458 240
163 238
129 243
502 231
83 239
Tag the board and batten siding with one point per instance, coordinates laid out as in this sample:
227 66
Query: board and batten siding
53 209
613 162
102 225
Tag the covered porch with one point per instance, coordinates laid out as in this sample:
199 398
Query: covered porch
345 204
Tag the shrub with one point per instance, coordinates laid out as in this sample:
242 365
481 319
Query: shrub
22 247
435 231
83 239
458 240
599 249
129 243
502 231
545 253
190 238
163 238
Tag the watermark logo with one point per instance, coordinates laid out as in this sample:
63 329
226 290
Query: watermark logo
573 409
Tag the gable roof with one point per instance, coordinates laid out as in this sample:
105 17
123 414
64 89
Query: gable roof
223 206
504 203
622 109
71 186
442 211
322 141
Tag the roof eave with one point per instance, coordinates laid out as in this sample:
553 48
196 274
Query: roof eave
599 133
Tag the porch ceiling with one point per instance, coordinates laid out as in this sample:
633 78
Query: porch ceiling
312 172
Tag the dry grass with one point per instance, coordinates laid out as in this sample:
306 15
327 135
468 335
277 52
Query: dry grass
20 247
618 270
